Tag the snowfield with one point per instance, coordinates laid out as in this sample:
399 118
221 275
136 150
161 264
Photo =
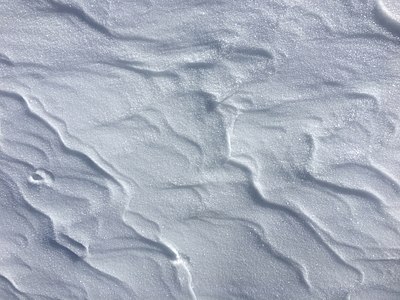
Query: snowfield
188 149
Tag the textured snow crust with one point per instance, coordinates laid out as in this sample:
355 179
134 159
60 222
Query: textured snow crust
188 149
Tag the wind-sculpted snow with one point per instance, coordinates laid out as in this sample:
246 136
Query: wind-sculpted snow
199 149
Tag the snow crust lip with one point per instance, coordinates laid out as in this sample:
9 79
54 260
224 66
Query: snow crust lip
387 13
199 149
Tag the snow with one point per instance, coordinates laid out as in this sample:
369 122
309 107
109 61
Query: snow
199 149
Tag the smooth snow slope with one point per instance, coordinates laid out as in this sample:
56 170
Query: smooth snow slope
188 149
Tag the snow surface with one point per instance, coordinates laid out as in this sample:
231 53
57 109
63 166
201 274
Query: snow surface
188 149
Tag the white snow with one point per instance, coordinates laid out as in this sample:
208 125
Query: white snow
199 149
